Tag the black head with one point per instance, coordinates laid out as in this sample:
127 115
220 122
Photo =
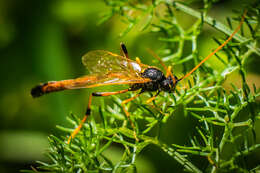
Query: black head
169 84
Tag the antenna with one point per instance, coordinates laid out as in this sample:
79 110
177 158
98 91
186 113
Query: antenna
216 50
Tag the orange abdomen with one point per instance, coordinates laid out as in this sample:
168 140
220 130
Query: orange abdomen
54 86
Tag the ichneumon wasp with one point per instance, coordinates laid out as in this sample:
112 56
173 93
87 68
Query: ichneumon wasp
107 68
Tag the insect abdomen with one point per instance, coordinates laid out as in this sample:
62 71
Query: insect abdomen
45 88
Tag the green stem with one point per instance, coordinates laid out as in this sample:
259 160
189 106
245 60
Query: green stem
170 151
218 25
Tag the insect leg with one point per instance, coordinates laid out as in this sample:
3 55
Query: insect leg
168 71
128 114
109 93
75 132
156 108
88 111
125 53
152 98
124 50
138 61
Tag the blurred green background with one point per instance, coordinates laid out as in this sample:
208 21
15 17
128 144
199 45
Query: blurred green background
44 40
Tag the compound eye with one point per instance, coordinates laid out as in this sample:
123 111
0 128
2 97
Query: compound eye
164 83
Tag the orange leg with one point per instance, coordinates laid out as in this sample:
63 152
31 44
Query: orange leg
138 61
76 131
169 71
152 98
128 114
109 93
156 108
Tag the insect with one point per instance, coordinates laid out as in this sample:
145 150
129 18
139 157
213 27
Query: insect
107 68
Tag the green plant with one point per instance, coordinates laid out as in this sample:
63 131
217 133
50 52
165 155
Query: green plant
224 133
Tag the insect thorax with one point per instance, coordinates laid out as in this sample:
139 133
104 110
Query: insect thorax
158 82
156 77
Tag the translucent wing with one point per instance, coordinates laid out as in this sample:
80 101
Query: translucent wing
85 82
112 69
107 68
91 81
105 62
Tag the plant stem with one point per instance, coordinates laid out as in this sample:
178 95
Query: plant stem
216 24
